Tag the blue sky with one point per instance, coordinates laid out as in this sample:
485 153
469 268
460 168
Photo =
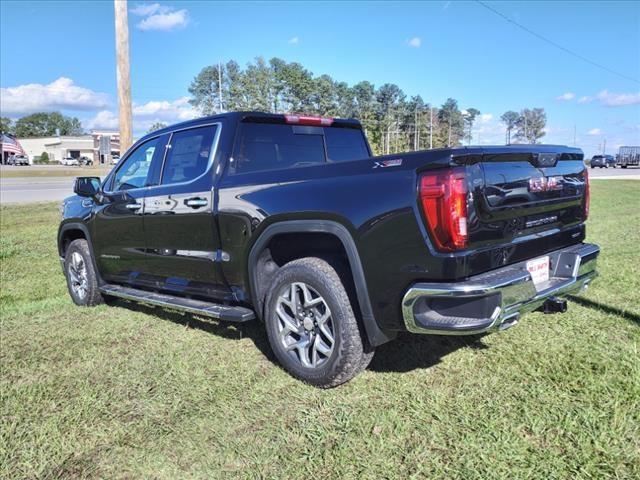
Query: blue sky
60 56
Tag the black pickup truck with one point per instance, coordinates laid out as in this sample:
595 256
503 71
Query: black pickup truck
291 220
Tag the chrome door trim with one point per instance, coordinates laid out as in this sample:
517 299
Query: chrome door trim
212 155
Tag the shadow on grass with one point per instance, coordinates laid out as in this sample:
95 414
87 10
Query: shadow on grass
408 352
227 330
632 317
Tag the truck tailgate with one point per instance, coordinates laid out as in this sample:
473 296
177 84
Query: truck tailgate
527 201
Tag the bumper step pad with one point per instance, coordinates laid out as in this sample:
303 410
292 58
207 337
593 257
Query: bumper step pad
172 302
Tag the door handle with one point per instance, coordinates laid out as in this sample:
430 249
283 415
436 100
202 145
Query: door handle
196 202
133 206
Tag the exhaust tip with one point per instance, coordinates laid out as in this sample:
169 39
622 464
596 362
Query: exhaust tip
509 322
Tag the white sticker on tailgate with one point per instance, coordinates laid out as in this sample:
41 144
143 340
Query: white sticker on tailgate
539 270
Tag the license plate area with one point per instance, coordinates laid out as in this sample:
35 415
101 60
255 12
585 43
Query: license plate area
538 268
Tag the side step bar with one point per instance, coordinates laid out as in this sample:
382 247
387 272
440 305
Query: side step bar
171 302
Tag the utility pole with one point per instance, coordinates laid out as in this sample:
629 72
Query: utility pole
415 130
431 128
526 137
123 75
220 87
449 141
604 147
574 135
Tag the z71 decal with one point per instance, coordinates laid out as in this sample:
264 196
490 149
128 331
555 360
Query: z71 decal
396 162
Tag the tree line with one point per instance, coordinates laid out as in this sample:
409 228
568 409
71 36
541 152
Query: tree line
393 121
42 124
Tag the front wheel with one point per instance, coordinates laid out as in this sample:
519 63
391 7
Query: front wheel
82 280
311 325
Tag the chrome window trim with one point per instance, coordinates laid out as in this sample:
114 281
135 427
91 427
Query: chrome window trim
212 156
123 160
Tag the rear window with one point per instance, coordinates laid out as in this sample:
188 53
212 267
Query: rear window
262 146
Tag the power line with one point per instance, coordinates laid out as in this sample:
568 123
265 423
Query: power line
557 45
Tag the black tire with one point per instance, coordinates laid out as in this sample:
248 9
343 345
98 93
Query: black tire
89 295
349 355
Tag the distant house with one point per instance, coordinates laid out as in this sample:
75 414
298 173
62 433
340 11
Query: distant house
98 146
9 145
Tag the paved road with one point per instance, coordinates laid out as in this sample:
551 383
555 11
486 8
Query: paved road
34 189
46 189
631 173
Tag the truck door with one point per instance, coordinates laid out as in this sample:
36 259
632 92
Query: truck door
180 229
118 239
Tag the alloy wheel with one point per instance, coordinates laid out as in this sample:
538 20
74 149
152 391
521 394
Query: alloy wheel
305 325
78 275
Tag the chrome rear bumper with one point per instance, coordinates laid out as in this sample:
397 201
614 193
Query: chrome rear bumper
496 299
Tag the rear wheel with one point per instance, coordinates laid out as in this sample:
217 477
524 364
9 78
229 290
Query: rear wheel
82 280
311 325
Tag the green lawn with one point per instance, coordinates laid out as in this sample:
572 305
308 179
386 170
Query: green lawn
130 392
56 171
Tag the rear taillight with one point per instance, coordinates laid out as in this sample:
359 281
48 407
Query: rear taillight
307 120
443 197
587 194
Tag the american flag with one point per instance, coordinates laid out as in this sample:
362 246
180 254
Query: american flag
11 144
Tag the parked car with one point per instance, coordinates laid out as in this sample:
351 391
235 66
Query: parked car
85 161
115 159
70 162
603 161
18 160
290 220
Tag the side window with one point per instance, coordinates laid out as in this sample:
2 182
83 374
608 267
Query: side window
134 171
189 154
345 144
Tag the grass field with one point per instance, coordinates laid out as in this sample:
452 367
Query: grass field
130 392
54 171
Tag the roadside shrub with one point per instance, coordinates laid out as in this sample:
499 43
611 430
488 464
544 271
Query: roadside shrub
43 159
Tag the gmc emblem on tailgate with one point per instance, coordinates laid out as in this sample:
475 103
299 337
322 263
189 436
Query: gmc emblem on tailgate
545 184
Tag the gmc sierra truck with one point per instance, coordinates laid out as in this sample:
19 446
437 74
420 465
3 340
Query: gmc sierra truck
289 219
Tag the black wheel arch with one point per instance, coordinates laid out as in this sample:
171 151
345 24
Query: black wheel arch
375 335
70 231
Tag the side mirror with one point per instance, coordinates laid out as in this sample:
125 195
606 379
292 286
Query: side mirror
86 186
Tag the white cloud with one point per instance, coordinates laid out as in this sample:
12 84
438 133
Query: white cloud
165 21
585 99
146 114
294 40
103 120
611 99
177 110
486 118
566 97
414 42
160 17
146 9
594 132
59 94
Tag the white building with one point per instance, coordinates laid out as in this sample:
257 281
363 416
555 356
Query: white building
72 146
